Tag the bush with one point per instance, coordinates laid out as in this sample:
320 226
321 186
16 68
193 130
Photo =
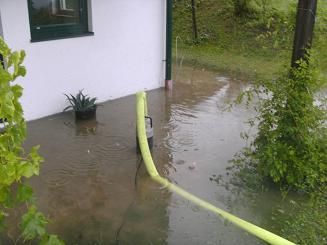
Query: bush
290 147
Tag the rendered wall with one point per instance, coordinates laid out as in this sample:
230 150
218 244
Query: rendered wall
1 34
125 54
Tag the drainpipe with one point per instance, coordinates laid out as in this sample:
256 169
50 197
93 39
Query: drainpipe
169 34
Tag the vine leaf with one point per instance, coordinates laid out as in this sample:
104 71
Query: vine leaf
15 164
24 193
33 224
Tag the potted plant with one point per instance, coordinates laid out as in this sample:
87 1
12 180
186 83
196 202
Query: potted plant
83 105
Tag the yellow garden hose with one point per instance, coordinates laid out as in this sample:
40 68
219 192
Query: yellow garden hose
141 111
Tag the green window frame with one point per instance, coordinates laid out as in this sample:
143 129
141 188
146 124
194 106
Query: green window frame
57 29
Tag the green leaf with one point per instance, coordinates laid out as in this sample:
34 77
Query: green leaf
80 102
68 107
34 155
24 193
33 224
17 90
51 240
5 197
28 170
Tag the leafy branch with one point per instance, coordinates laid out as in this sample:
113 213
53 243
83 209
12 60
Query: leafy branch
15 165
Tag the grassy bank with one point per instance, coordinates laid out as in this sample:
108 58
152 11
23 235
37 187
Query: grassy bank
257 45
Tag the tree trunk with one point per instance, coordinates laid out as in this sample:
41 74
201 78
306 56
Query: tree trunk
194 25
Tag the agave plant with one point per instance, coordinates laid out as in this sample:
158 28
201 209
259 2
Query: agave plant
80 102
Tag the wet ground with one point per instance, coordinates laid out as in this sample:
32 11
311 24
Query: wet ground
94 187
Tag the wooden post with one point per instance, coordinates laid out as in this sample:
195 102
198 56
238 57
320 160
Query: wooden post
305 20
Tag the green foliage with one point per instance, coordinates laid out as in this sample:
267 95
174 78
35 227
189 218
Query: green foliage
244 8
289 150
15 164
227 43
290 147
253 46
51 240
24 193
33 224
305 222
183 21
320 40
276 27
80 102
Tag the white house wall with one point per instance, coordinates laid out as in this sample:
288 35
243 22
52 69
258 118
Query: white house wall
1 34
125 54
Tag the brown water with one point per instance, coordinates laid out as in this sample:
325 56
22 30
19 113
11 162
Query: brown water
95 190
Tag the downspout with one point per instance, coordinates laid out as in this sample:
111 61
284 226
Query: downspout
169 37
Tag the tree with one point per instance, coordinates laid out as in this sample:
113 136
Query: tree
194 22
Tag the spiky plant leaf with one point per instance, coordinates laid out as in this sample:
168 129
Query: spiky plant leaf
80 102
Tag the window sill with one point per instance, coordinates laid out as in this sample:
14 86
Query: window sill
34 40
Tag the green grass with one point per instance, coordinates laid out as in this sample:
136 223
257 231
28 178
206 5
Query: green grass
233 45
232 62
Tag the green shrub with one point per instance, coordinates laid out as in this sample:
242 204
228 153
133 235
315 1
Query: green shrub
15 165
290 147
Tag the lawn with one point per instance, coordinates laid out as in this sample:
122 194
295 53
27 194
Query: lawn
255 46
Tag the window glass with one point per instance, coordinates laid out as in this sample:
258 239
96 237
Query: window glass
51 19
54 12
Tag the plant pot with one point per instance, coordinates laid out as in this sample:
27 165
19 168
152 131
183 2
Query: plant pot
85 115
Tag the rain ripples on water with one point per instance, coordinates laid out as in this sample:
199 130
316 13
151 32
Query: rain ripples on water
95 188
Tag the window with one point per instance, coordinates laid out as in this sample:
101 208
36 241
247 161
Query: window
52 19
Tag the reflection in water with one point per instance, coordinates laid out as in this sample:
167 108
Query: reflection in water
93 190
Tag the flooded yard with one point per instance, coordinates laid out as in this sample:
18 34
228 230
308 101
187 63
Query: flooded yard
95 189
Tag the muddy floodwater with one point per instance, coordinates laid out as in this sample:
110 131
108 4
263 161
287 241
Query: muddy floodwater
94 187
